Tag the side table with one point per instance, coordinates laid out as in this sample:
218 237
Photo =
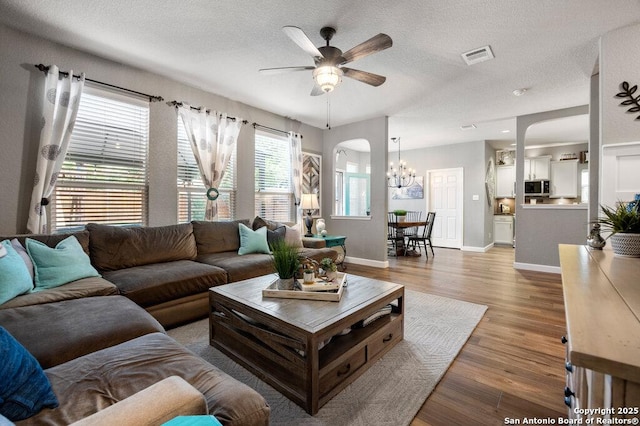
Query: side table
336 241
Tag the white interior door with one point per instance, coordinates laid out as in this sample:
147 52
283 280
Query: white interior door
446 188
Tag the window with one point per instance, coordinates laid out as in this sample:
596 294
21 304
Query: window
192 195
104 176
274 193
584 186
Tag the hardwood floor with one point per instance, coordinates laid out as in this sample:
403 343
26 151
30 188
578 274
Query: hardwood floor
513 364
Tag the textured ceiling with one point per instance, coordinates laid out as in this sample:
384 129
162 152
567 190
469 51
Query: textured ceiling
549 47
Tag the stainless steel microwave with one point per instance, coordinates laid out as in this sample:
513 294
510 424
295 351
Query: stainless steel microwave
536 188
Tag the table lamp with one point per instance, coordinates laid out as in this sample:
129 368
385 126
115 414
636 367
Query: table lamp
309 203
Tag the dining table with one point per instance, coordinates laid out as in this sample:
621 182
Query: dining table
400 226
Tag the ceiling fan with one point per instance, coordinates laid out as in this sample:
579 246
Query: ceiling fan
329 60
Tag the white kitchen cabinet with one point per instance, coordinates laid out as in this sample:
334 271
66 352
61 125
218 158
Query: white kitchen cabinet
503 229
536 168
564 179
505 181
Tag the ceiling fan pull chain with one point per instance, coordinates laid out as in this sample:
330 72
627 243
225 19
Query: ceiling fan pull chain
328 111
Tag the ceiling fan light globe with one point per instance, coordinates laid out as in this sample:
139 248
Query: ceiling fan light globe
327 77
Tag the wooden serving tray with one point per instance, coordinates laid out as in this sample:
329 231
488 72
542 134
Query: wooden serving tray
331 296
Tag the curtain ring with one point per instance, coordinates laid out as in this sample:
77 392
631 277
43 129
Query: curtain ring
213 191
44 202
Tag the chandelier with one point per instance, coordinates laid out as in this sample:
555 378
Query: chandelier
400 176
327 77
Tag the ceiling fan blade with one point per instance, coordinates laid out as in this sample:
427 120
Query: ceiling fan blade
363 76
373 45
300 38
281 70
317 91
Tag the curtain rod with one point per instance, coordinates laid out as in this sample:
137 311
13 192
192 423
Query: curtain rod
272 129
152 98
179 104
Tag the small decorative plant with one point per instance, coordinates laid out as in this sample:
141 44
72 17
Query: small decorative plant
624 218
400 212
623 222
284 258
328 264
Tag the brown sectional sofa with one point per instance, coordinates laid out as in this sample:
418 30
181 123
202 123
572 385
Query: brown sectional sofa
99 347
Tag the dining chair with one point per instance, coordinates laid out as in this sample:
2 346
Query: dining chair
424 239
392 233
412 216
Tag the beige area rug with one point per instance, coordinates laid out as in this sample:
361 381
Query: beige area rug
392 391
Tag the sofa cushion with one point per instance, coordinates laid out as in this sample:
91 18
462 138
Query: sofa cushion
52 239
86 287
19 248
103 378
259 222
58 332
217 237
276 235
59 265
318 254
114 247
240 267
253 241
24 388
14 275
150 285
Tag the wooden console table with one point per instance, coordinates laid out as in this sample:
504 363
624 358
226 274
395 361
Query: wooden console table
602 309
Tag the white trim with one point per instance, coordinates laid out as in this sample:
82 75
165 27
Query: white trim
333 217
537 268
554 206
367 262
477 249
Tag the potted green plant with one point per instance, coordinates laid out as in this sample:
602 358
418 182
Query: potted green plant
285 261
330 268
400 215
623 222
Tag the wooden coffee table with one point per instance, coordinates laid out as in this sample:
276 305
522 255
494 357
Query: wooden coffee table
278 339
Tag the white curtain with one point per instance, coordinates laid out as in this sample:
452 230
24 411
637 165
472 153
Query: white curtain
212 137
295 140
60 107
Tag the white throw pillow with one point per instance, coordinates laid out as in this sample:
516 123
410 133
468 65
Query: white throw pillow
293 237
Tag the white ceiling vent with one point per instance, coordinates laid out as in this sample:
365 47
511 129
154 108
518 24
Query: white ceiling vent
468 127
478 55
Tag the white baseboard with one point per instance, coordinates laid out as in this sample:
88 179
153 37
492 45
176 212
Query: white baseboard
477 249
367 262
537 268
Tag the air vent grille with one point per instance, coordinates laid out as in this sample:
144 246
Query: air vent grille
478 55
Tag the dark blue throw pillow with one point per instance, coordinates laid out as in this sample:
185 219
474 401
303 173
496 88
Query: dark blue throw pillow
24 388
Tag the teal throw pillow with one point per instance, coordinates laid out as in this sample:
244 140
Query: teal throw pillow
54 267
14 275
253 241
24 388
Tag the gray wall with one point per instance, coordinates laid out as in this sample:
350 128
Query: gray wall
619 61
366 237
478 215
21 87
539 229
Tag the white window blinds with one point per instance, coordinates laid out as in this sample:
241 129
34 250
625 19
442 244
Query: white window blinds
192 195
104 175
274 194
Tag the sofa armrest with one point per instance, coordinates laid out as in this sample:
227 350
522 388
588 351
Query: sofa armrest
159 403
311 242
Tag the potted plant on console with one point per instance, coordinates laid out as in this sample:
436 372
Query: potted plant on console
623 222
285 261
